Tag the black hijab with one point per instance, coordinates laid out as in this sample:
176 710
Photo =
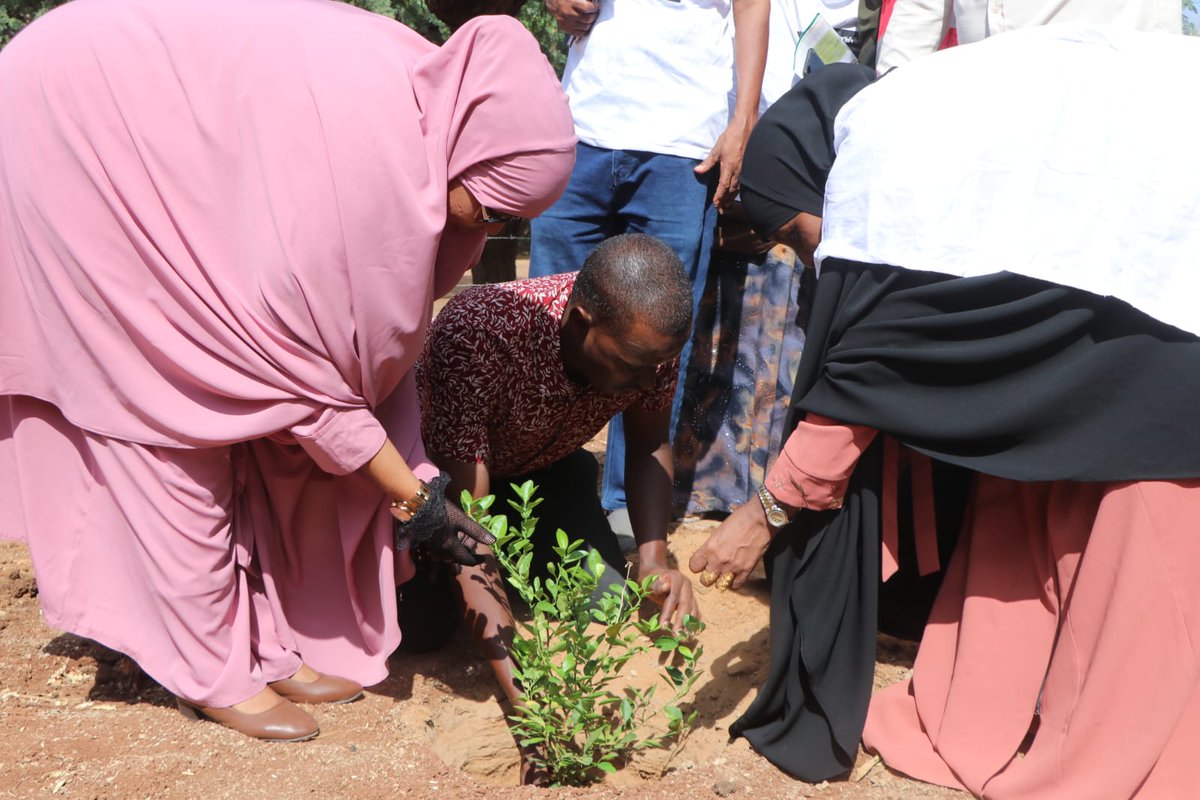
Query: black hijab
790 151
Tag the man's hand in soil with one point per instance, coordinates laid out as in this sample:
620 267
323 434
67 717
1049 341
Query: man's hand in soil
673 591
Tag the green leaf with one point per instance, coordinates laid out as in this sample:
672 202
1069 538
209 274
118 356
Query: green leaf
595 563
465 500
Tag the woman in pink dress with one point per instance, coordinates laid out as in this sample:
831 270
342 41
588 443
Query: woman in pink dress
1004 321
222 228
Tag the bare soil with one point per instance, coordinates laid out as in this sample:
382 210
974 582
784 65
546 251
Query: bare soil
81 721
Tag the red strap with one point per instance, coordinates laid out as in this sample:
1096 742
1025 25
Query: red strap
890 559
924 514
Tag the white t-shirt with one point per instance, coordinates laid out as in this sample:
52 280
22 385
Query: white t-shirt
1061 153
653 75
789 20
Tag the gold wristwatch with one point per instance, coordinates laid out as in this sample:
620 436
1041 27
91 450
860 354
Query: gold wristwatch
776 516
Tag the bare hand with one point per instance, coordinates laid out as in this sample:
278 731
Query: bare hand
574 17
727 152
673 591
736 546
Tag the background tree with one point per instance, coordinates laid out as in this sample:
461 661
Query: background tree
16 14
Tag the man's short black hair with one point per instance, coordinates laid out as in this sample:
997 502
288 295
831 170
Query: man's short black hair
634 276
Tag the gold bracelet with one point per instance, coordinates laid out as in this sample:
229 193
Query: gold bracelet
413 504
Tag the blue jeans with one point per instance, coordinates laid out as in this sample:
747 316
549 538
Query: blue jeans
627 191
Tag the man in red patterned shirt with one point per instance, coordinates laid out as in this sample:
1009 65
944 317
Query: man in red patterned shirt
516 377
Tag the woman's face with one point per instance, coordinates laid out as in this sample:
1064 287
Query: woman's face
802 233
464 211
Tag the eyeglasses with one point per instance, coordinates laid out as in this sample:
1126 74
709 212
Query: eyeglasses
487 217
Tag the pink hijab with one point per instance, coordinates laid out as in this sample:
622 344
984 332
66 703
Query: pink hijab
219 218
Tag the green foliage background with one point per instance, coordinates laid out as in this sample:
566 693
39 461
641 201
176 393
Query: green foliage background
16 14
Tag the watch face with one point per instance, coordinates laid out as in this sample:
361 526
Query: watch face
776 516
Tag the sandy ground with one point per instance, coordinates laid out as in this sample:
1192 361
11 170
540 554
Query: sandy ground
83 722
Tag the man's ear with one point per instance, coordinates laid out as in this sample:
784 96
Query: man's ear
580 317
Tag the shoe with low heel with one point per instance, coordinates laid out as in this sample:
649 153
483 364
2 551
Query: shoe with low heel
284 722
325 689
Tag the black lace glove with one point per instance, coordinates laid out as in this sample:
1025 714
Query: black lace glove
444 529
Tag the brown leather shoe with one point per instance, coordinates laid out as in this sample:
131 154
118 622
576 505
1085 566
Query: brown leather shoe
325 689
284 722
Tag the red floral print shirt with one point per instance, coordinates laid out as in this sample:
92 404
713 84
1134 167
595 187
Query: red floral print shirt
493 387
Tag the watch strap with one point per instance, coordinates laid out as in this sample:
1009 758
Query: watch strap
776 516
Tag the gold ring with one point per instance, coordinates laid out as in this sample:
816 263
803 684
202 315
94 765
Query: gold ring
708 578
725 581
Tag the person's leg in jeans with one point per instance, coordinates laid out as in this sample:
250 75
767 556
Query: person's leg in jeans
662 196
562 237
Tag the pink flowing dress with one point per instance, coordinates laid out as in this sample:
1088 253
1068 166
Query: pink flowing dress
221 233
1058 660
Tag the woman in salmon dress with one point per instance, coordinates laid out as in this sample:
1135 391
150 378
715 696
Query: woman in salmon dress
1005 318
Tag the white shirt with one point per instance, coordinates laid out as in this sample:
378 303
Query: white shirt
1065 154
917 27
789 19
653 75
